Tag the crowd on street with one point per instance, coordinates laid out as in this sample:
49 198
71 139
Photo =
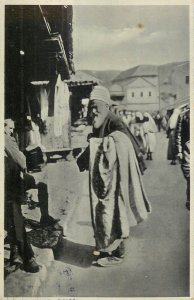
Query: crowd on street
118 147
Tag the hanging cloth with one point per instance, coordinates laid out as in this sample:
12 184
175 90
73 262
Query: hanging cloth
44 103
66 104
61 106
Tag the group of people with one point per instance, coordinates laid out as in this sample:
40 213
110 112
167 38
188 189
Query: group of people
118 199
143 127
115 161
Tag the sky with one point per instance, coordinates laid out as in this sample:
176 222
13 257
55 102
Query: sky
108 37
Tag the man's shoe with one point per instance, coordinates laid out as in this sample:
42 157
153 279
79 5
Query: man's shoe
48 221
15 256
109 261
31 266
120 251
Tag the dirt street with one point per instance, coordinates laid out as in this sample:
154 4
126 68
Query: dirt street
157 260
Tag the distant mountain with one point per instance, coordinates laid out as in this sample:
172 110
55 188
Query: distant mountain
163 71
106 76
138 71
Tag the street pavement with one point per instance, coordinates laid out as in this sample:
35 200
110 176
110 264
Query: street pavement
157 259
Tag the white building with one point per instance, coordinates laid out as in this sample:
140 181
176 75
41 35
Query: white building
152 88
137 88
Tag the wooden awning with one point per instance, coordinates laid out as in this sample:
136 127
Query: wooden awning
81 78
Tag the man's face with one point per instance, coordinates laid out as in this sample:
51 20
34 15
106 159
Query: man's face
99 111
9 128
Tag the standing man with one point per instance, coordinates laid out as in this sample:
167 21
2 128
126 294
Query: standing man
17 182
158 120
117 196
15 166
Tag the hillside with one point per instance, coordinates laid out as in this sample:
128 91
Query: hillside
106 76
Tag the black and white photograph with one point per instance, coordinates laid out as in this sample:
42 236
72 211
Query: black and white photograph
96 150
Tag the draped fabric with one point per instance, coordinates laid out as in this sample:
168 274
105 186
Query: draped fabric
44 103
61 106
150 129
149 125
117 196
174 118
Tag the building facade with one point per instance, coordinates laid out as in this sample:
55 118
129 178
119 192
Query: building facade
180 84
152 88
137 89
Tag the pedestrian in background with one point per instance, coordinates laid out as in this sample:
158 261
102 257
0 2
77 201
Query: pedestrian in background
171 127
138 129
158 120
150 130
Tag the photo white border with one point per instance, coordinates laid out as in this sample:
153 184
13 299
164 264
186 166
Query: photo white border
95 2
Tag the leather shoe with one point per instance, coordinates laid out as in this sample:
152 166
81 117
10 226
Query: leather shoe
31 266
14 255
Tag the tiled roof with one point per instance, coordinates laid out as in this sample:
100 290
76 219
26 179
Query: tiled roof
138 71
82 77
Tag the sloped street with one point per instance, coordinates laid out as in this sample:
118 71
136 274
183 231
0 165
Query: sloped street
157 261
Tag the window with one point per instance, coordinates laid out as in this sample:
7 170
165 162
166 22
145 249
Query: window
187 79
141 94
150 93
132 94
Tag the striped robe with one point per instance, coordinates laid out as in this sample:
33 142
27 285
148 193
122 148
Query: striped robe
117 196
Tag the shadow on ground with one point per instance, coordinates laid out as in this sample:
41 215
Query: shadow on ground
74 254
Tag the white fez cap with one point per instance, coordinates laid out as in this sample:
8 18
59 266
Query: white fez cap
100 93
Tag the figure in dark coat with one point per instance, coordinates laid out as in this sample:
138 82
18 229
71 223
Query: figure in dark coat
15 164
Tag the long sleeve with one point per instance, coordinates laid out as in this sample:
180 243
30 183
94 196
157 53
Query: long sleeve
12 151
186 160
